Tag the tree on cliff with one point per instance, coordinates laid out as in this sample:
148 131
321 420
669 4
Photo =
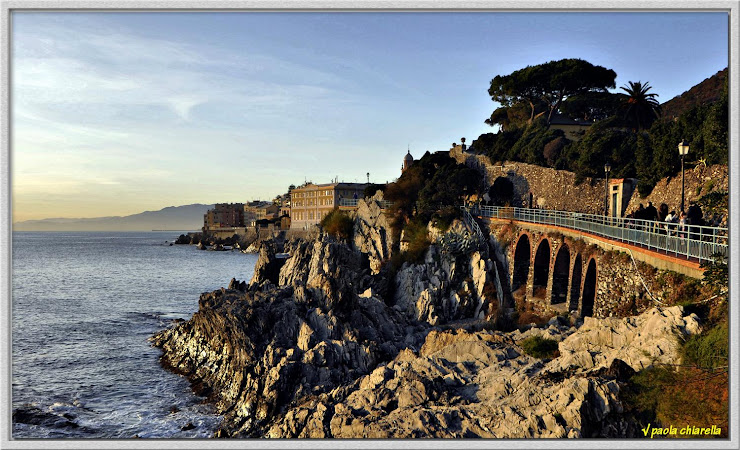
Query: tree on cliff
544 87
432 183
641 108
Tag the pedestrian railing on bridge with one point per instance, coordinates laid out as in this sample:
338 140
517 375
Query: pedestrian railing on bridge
353 202
687 241
483 245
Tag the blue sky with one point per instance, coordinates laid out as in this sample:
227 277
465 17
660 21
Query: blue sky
117 113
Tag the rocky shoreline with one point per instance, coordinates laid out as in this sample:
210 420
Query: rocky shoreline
329 343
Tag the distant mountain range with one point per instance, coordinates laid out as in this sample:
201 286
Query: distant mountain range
180 218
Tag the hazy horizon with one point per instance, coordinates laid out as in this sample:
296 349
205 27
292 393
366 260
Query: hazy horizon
114 216
116 113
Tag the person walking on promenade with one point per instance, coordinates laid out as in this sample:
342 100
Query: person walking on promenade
696 219
640 216
662 212
651 214
683 223
670 219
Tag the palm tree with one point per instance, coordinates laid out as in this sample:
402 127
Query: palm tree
641 106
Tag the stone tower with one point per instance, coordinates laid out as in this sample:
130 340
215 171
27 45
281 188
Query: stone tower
407 161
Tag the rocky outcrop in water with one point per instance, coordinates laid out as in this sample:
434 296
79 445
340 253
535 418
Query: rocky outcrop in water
298 329
327 343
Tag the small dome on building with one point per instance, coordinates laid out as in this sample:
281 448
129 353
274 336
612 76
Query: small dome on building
408 156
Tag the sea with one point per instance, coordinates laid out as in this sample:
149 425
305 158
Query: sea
83 306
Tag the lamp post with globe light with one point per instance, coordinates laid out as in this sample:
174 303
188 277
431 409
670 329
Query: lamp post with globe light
607 169
683 150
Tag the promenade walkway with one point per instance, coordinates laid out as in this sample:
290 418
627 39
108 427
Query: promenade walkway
691 242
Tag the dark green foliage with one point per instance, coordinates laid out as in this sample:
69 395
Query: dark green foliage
417 234
540 347
542 88
509 118
498 145
553 150
714 202
591 106
339 224
432 183
530 148
641 106
599 145
704 127
443 218
372 189
622 135
716 273
708 350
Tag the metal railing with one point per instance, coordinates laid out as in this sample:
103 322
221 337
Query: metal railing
353 202
687 241
482 242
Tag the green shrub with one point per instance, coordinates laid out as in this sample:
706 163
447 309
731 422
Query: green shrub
708 350
540 347
443 218
417 234
339 224
663 396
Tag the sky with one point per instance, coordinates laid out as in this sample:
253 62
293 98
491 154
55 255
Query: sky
116 113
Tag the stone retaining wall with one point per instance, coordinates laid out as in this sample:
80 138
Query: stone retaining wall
551 188
557 189
700 180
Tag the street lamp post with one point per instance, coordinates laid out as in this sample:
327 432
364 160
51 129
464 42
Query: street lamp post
607 169
683 150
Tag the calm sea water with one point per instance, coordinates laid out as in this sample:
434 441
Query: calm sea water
83 306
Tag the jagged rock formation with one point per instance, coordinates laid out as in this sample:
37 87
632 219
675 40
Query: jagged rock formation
450 284
257 351
639 341
325 344
481 384
372 232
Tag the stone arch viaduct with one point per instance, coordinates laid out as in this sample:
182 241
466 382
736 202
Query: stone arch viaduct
553 271
565 271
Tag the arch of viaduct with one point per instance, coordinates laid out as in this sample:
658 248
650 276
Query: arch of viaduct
552 271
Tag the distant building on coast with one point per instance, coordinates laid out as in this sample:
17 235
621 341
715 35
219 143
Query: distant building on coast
260 210
311 202
224 215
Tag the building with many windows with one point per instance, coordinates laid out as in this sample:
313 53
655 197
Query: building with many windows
259 210
311 202
224 215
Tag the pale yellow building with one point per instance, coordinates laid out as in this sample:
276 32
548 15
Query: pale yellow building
573 129
311 202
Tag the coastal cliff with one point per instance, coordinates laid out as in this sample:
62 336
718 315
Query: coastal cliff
331 342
